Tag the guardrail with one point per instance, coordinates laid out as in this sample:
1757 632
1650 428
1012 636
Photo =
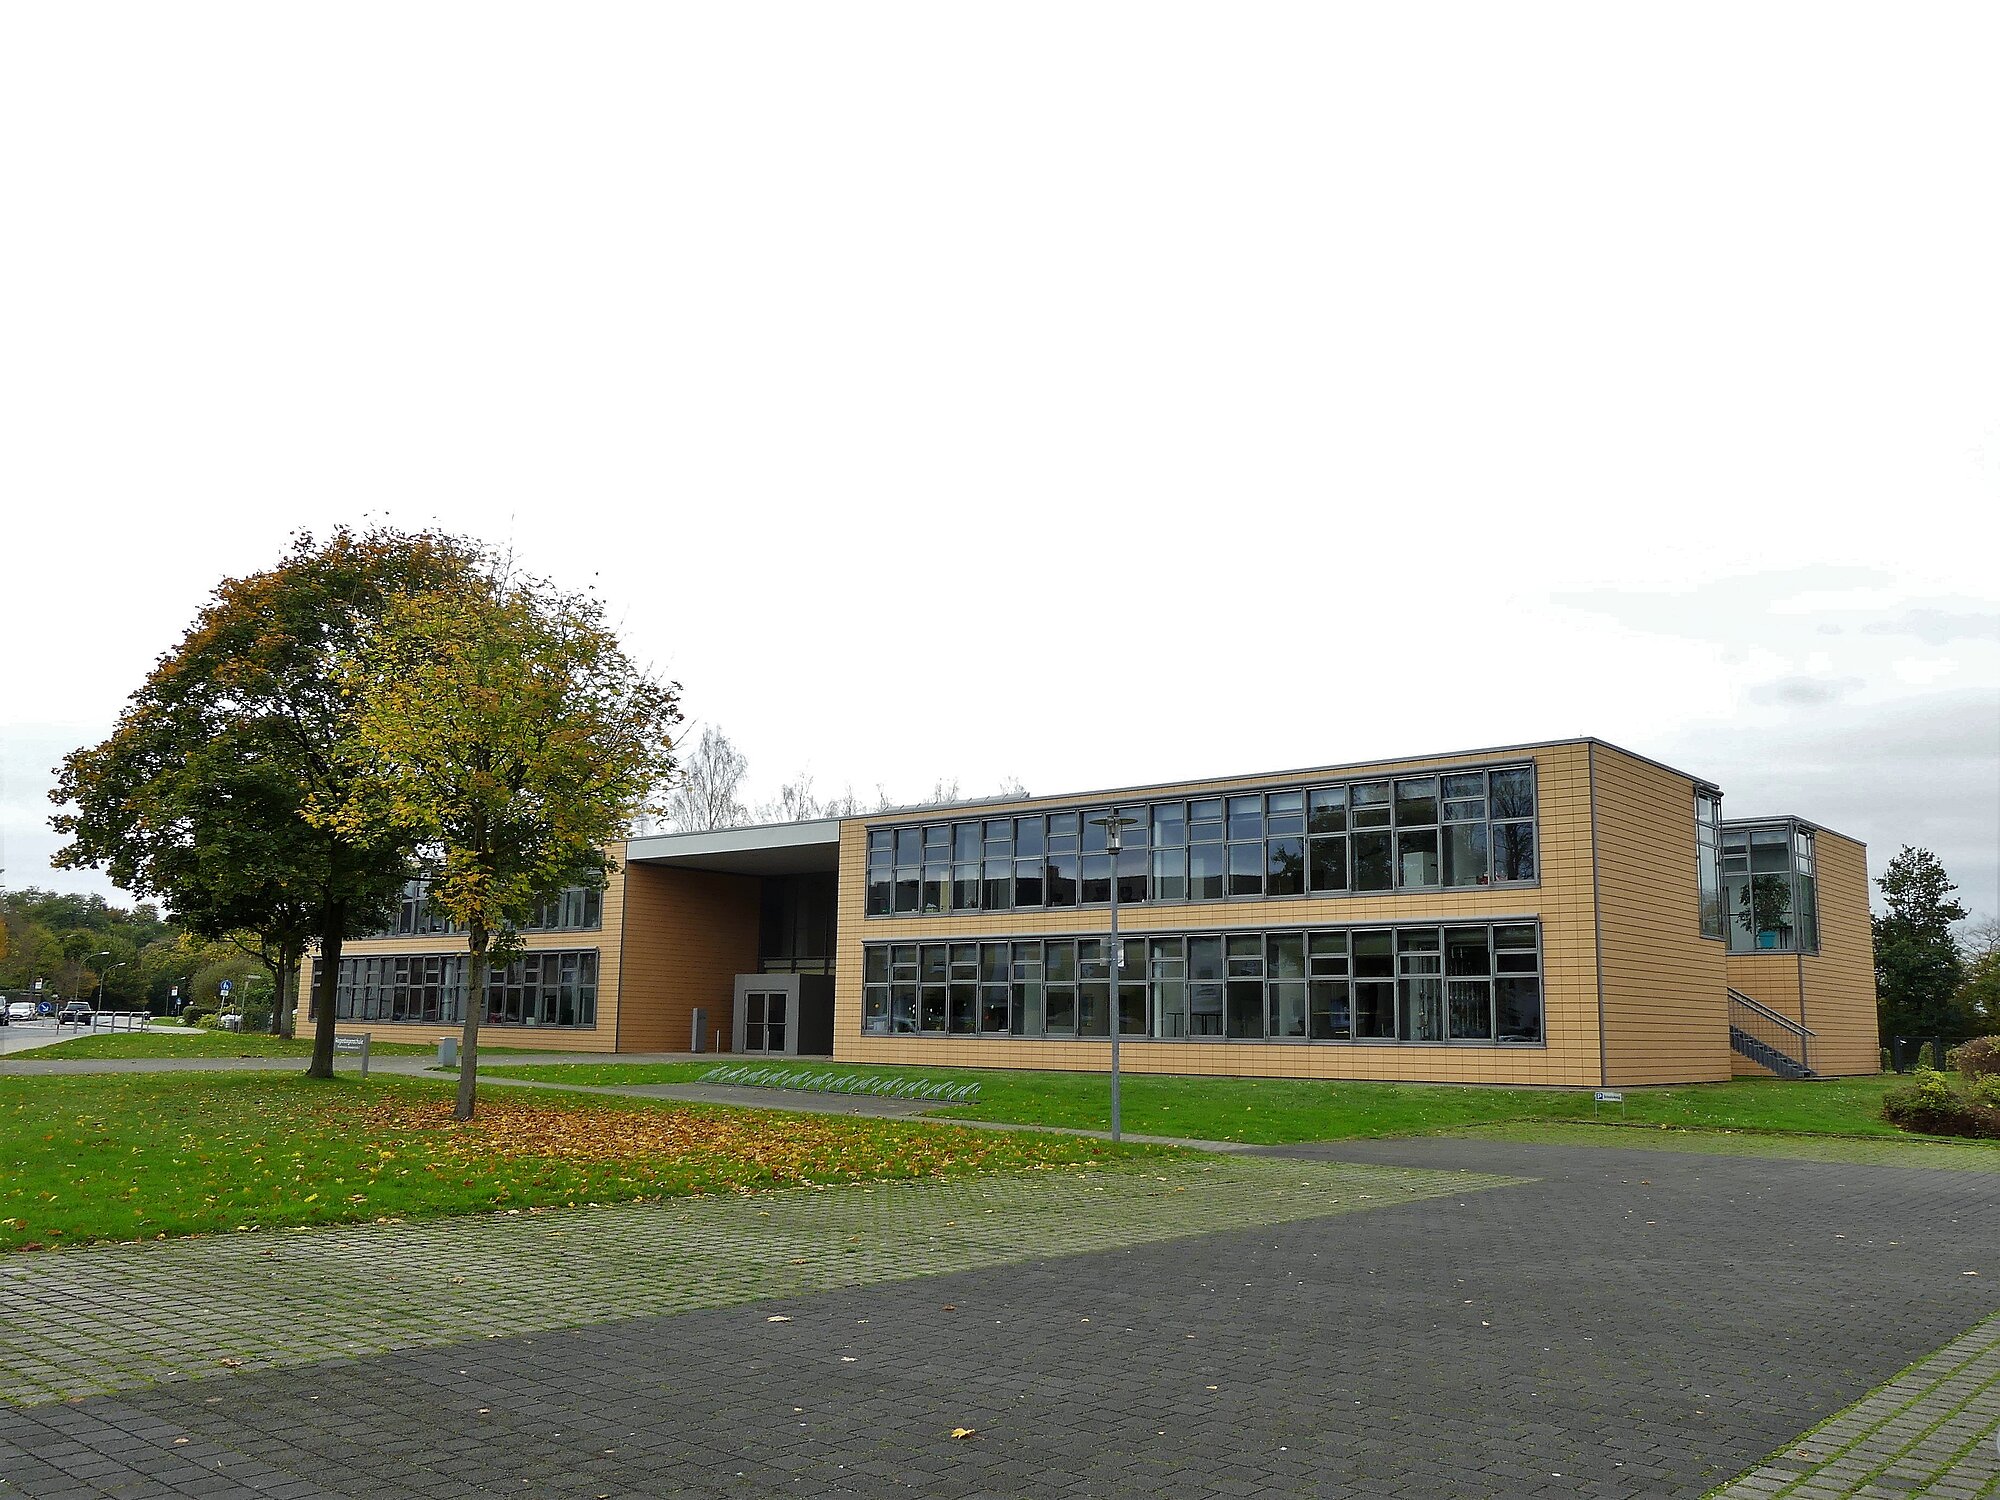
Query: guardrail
1784 1040
743 1075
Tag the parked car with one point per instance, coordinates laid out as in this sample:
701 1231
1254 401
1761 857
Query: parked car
21 1010
76 1013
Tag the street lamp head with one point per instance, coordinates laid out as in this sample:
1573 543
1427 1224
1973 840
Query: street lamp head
1114 826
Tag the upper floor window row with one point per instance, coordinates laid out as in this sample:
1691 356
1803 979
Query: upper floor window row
575 909
1403 833
1770 889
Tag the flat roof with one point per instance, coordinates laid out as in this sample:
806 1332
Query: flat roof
925 810
807 848
813 846
1806 823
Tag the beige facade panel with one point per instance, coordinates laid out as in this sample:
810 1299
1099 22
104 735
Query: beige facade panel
1562 901
1839 980
687 935
1666 1014
1772 980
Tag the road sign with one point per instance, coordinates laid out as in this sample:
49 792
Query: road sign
222 989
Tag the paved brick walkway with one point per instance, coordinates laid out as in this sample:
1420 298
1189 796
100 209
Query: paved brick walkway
115 1317
1626 1324
1931 1431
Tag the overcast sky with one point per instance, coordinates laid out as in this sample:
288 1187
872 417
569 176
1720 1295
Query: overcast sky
1090 394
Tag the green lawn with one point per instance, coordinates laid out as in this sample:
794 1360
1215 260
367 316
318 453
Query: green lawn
137 1156
1934 1152
193 1041
1274 1111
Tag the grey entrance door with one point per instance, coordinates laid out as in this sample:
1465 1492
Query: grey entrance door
764 1021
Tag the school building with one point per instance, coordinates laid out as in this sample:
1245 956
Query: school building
1567 913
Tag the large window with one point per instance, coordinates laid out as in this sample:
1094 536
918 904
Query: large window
575 909
1770 887
1708 860
1406 833
1434 982
550 988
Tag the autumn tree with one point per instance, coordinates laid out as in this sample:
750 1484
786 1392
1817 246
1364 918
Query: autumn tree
507 734
199 794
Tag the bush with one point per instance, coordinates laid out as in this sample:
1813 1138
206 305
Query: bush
1932 1106
1888 1065
1927 1058
194 1016
1979 1058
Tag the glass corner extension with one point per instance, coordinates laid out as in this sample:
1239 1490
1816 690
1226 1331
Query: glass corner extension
1770 895
1476 826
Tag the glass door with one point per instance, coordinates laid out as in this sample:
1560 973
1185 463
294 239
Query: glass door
764 1021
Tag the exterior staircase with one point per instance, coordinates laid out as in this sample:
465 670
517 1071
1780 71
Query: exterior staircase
1776 1043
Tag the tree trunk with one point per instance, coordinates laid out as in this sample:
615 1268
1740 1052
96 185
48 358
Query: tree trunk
329 976
288 1010
475 1007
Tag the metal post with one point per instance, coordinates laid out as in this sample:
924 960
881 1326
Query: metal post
1117 962
1114 827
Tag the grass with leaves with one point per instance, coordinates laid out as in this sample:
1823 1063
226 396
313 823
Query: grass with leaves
1276 1111
138 1156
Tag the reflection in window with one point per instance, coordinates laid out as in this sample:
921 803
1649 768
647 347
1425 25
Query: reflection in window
1708 860
1770 893
1411 833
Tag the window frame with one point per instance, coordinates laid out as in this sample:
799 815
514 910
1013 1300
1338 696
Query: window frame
1315 804
1269 957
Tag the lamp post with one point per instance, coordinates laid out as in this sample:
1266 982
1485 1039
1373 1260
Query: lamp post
100 978
1114 827
102 975
243 1004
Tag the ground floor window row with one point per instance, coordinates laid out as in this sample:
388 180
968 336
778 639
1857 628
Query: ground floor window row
549 988
1462 982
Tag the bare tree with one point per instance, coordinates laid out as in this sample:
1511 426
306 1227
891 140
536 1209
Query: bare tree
795 802
846 805
943 790
1011 789
706 794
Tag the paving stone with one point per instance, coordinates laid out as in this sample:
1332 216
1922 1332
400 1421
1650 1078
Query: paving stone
1625 1324
110 1317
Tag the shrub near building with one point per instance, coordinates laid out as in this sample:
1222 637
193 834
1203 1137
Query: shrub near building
1932 1105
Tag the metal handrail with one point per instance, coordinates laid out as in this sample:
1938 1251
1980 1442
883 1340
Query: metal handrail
1737 997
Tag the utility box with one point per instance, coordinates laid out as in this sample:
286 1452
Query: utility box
697 1044
447 1052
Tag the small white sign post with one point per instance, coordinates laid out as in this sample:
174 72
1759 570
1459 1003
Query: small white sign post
355 1044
